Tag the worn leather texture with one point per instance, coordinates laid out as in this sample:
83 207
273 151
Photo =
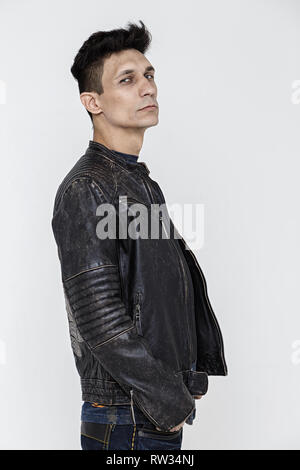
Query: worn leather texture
138 309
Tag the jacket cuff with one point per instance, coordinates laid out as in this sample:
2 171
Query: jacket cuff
197 382
167 410
158 391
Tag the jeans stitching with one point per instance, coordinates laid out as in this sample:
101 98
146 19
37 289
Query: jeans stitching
108 434
91 437
133 435
105 437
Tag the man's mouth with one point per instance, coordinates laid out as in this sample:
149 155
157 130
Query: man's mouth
152 106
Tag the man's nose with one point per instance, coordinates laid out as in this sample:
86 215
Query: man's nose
148 88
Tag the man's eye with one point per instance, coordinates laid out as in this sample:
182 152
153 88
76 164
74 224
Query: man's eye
129 78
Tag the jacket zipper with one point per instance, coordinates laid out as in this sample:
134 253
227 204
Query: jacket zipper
185 291
209 306
138 297
131 406
185 298
206 296
181 265
141 408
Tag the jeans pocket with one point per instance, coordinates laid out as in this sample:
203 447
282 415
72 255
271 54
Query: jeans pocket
95 436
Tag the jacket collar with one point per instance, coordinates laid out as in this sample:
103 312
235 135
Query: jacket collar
102 150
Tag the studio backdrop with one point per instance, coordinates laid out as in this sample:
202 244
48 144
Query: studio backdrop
228 77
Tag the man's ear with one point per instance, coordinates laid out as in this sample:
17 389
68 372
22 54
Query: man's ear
90 102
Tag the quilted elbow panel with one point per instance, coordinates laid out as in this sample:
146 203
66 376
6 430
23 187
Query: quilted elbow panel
97 307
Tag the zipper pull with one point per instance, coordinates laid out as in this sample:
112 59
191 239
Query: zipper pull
137 297
138 319
131 405
137 312
137 302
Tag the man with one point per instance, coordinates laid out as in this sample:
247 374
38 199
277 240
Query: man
143 332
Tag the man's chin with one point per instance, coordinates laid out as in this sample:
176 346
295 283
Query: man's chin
148 122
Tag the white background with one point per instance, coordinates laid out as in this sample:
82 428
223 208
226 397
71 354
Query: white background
228 138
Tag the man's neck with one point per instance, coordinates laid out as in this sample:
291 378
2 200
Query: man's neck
130 144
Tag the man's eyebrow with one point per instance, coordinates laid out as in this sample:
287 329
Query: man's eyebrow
127 71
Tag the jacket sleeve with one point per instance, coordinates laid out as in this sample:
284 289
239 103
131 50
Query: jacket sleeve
90 276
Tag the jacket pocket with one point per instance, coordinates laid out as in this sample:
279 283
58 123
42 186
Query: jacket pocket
137 312
197 382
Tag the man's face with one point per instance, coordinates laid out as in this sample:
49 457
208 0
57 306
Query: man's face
128 84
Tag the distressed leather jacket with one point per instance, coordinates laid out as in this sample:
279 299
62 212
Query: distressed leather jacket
138 309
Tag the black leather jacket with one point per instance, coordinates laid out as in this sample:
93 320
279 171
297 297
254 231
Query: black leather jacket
138 309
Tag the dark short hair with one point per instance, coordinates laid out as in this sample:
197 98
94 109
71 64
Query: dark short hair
88 64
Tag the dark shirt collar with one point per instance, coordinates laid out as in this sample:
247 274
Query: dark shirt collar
129 156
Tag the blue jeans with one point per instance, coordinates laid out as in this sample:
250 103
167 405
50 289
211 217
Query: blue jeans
124 427
101 436
109 427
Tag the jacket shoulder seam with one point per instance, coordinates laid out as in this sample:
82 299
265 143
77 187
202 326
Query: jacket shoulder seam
88 178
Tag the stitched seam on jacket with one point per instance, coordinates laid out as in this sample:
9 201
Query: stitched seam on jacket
96 184
116 183
57 203
113 162
89 179
91 269
110 339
